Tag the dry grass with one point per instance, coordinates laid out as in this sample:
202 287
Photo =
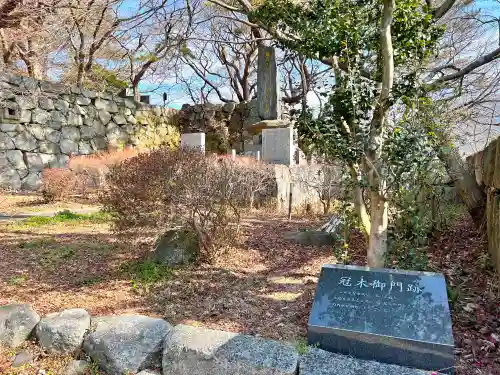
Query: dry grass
11 204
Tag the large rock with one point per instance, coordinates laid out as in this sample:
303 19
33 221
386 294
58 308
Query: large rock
176 246
46 103
105 117
62 105
87 132
62 333
99 143
126 343
38 161
25 142
75 119
16 324
49 148
6 142
77 367
52 135
15 159
9 176
119 119
40 116
37 131
57 120
32 181
82 100
26 102
9 127
84 148
200 351
25 116
106 105
320 362
71 132
69 147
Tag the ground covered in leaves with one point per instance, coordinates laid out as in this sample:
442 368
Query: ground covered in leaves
264 286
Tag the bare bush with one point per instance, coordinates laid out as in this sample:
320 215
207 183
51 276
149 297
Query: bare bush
84 176
164 189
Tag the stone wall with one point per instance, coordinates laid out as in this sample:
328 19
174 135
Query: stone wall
143 345
486 167
224 124
43 123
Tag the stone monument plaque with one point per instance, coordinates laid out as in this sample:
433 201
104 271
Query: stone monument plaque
398 317
193 141
277 146
268 94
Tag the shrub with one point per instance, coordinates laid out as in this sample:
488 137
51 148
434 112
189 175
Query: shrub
84 176
163 189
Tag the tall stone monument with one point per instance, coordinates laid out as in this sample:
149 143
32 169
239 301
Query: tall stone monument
272 136
268 93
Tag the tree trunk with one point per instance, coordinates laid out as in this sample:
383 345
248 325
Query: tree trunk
377 244
465 182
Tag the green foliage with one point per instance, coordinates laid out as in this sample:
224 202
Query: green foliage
145 273
108 76
303 347
17 280
66 216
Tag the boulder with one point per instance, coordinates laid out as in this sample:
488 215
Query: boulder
201 351
9 177
26 102
175 246
106 105
57 120
79 110
52 135
89 94
149 372
37 131
87 132
99 143
129 104
49 147
229 107
22 358
75 119
117 137
38 161
82 100
62 333
25 116
6 142
32 181
62 105
15 159
25 142
69 147
119 119
40 116
132 120
71 132
9 127
126 343
77 367
320 362
105 117
46 103
16 324
84 148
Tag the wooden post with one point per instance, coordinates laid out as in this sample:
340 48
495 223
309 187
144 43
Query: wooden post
258 156
290 203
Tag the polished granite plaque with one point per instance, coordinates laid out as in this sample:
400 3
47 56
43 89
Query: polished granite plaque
392 316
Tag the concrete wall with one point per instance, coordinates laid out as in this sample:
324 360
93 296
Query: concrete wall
486 166
43 123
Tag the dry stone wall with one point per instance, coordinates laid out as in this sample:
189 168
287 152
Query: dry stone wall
42 124
486 167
